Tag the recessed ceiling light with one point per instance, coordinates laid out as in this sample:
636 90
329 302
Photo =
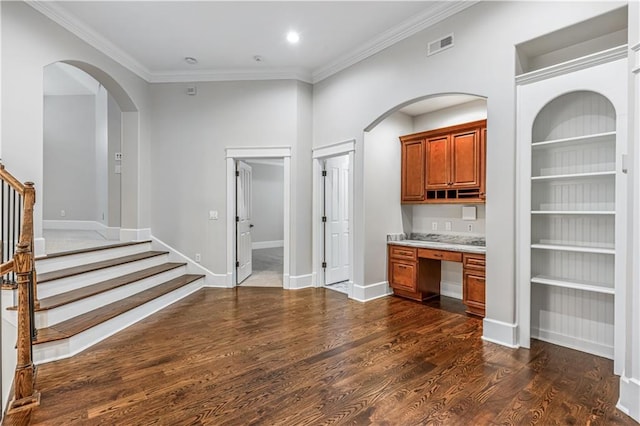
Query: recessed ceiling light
190 60
293 37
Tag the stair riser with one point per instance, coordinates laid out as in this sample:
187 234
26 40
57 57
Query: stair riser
52 351
62 285
62 262
62 313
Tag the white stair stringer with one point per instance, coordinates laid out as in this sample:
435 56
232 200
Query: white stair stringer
49 317
63 285
44 264
65 348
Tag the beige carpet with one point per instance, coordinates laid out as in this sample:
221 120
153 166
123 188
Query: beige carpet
58 240
267 268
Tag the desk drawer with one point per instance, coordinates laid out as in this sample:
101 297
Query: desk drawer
474 261
403 275
400 252
451 256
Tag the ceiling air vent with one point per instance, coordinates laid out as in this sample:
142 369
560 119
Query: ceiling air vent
440 45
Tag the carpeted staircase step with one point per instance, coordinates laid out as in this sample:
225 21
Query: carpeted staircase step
91 249
84 322
90 267
101 287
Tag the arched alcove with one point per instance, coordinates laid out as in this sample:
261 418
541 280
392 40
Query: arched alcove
573 204
379 162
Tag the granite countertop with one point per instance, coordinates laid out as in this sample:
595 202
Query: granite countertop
454 242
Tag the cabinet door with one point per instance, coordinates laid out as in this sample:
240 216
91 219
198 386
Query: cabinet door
465 159
403 275
412 173
437 162
473 289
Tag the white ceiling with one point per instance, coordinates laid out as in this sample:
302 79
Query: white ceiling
152 37
437 103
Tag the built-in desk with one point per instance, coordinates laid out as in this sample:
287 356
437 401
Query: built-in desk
414 271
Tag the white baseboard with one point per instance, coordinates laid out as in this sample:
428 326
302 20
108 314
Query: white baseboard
371 291
501 333
135 234
300 281
76 225
573 342
266 244
629 402
451 289
211 279
39 247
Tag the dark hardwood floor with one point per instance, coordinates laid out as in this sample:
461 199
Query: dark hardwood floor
307 357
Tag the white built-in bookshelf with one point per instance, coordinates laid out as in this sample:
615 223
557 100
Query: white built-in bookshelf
570 223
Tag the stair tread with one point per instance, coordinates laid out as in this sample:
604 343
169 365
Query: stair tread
77 270
83 322
90 249
101 287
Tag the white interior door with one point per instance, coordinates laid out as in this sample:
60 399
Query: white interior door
337 222
243 222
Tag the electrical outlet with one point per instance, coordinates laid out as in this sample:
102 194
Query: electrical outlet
447 226
63 213
198 257
469 227
434 226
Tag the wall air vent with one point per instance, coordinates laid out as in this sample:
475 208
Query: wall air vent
440 45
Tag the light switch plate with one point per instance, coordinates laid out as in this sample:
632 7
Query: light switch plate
213 214
447 226
434 226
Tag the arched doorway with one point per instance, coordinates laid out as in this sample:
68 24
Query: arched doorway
89 122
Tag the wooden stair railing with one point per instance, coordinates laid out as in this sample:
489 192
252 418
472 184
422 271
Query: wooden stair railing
16 224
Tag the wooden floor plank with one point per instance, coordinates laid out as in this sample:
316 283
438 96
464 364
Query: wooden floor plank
83 322
270 356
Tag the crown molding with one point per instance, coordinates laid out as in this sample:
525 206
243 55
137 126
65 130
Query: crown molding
52 11
431 16
427 18
231 75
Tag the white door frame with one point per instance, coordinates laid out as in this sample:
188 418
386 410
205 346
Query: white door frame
233 154
319 155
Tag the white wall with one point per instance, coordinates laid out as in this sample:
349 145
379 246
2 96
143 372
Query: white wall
482 63
382 192
30 42
268 202
190 134
101 196
114 131
424 215
69 157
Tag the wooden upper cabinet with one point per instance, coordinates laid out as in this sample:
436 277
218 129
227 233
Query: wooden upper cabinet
465 159
437 161
453 167
412 170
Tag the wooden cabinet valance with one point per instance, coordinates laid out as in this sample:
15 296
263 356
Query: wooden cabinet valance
445 165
